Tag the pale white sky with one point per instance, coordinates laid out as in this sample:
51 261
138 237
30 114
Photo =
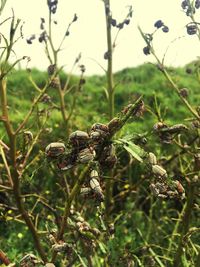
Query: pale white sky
88 34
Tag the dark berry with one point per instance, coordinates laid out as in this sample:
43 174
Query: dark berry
146 50
165 29
127 21
158 24
197 4
191 29
113 22
184 4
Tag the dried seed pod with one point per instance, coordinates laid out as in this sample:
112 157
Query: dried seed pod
95 186
79 138
52 239
172 194
152 159
96 137
99 126
184 92
159 171
95 231
176 128
86 155
108 158
45 99
28 137
179 187
99 132
159 125
94 174
67 161
162 196
55 83
85 191
29 260
114 125
83 226
154 189
54 150
60 247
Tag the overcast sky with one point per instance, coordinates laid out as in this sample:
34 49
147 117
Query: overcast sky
88 34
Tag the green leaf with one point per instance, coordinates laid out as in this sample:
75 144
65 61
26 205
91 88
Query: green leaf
102 247
136 151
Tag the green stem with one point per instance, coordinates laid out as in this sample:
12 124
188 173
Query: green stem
68 203
14 172
111 99
185 222
110 80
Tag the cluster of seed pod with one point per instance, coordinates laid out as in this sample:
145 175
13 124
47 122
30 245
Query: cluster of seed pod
162 188
59 246
85 147
166 133
94 187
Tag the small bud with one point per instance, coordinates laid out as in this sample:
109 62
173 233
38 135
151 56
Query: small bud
67 33
75 18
